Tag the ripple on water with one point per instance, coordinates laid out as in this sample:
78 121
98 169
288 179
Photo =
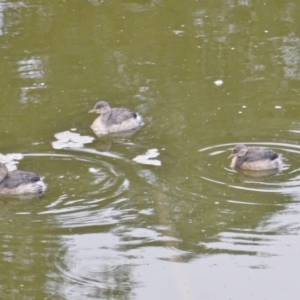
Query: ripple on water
97 263
217 171
248 202
97 268
86 189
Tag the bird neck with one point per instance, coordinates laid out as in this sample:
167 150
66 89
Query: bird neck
105 116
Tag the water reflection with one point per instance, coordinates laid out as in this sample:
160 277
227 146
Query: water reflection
1 19
7 10
33 69
105 272
291 56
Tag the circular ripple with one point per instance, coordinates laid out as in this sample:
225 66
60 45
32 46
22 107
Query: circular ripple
215 168
89 263
84 190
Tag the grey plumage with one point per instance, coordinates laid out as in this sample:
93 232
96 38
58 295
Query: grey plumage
114 119
257 158
119 115
19 182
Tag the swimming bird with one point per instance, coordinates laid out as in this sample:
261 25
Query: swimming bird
20 182
254 158
114 119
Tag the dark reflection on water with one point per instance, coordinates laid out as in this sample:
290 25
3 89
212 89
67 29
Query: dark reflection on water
109 227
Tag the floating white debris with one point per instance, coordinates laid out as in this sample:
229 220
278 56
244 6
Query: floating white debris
11 160
143 89
278 107
69 139
94 170
218 82
146 159
178 32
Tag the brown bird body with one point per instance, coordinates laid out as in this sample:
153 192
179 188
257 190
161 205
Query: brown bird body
254 158
114 119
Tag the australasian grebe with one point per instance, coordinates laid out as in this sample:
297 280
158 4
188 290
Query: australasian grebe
254 158
20 182
114 119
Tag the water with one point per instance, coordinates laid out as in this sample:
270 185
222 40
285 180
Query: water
205 76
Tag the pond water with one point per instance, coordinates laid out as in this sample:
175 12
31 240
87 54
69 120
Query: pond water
180 223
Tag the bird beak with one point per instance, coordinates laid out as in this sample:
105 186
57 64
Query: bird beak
91 111
231 155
